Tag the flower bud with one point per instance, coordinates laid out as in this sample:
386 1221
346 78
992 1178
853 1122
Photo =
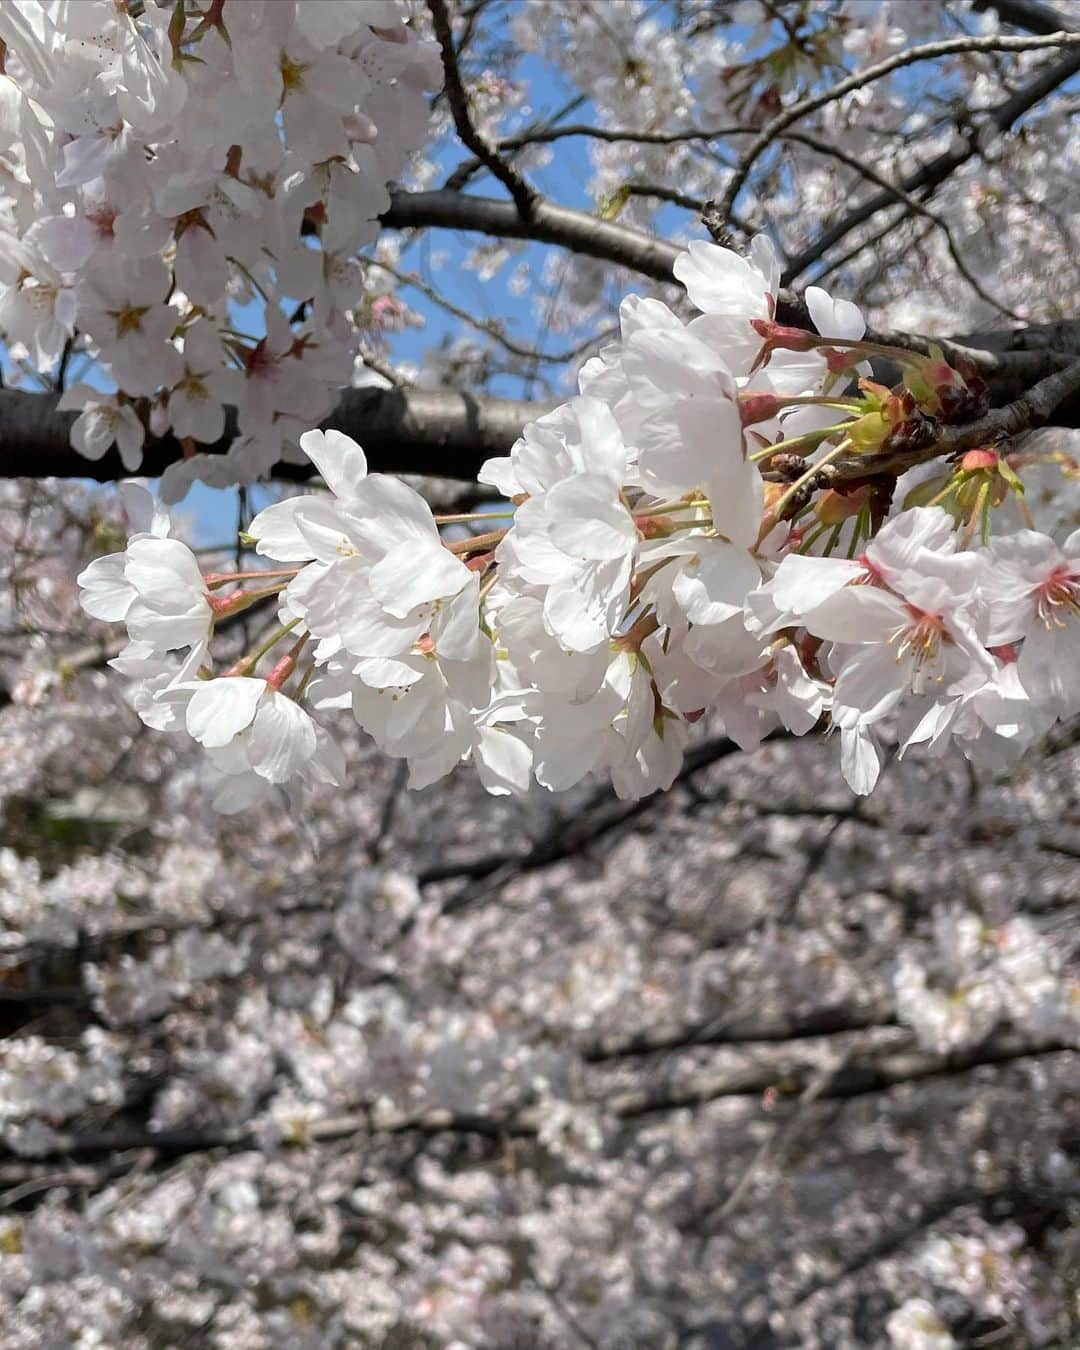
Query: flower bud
964 404
868 433
928 491
758 407
970 486
655 527
942 391
778 336
981 458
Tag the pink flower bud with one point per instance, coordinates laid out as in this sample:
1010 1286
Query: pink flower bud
981 458
655 527
778 336
758 407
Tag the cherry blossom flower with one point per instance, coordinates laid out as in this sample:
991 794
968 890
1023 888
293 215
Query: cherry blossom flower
248 726
170 607
103 421
106 593
196 404
1033 588
123 307
915 1325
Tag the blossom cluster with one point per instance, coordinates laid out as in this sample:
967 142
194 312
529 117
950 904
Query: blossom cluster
976 975
677 547
986 1272
41 1082
184 193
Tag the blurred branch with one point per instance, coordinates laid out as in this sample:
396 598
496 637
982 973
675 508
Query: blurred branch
666 194
779 1140
827 1022
600 815
934 173
927 52
915 206
875 1068
568 838
870 1069
1028 14
613 135
1013 1191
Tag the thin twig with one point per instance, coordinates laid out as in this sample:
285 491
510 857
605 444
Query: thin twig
523 195
914 205
489 326
778 1140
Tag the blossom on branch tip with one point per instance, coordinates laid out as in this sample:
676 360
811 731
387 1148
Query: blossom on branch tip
643 581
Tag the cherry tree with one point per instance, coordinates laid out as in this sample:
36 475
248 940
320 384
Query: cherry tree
752 562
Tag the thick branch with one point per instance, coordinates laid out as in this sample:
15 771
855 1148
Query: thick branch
436 432
548 224
1027 14
448 435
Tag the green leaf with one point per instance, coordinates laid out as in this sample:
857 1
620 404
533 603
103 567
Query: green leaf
611 206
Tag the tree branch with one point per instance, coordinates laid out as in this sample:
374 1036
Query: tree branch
927 52
870 1069
548 224
436 432
447 434
1032 409
938 169
876 1068
836 1021
913 204
491 327
519 190
1027 14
